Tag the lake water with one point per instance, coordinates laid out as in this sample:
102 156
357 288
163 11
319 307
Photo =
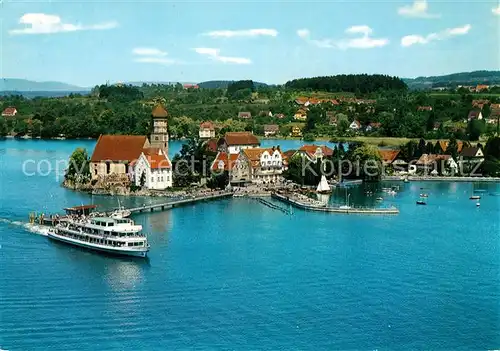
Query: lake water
234 274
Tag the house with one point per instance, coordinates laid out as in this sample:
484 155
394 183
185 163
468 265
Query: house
265 114
431 162
207 130
224 162
355 125
271 129
152 170
9 112
301 101
314 152
190 86
495 110
481 87
244 115
373 126
115 154
211 145
474 115
296 132
388 156
424 108
234 142
313 101
259 165
491 121
472 153
436 126
479 104
300 115
443 145
279 116
289 154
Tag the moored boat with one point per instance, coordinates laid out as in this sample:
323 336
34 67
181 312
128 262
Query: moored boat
120 236
323 186
474 197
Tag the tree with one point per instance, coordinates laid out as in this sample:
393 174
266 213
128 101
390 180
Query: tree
452 148
474 129
369 162
78 169
3 127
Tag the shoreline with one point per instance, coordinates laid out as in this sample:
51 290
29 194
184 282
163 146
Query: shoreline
443 179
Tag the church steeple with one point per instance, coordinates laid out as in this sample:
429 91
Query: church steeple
159 132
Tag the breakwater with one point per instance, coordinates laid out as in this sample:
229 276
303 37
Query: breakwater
298 202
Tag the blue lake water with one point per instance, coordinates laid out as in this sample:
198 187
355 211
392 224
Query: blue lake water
234 274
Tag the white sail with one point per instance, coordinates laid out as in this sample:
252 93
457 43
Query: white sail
323 186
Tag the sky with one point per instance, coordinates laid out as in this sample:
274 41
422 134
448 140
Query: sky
92 42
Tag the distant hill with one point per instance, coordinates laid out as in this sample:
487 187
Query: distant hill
24 85
453 80
217 84
49 94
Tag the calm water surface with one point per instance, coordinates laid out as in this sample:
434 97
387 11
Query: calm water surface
234 274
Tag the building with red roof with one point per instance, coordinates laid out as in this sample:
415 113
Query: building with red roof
207 130
152 170
9 112
233 142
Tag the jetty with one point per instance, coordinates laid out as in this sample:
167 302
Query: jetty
313 205
52 220
272 205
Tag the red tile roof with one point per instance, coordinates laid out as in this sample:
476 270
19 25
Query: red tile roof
118 148
244 115
375 124
211 145
228 163
241 138
9 111
311 150
388 156
424 108
254 154
158 161
271 128
159 112
207 125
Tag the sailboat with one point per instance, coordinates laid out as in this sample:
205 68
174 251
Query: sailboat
323 186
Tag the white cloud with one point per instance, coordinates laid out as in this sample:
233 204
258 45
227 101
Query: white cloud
417 9
303 33
152 55
149 52
413 39
160 60
40 23
242 33
363 42
214 55
496 10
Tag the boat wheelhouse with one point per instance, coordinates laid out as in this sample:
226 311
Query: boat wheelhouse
113 235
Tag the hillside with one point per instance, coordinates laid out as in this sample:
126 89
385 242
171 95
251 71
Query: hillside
217 84
24 85
453 80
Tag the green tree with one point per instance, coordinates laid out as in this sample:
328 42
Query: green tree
369 162
78 169
452 148
474 129
3 127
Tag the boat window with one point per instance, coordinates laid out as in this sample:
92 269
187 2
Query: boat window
130 244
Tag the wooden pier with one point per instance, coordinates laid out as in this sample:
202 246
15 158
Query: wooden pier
290 199
182 202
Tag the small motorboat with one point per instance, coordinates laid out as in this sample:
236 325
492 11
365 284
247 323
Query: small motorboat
474 197
379 199
421 202
424 195
478 204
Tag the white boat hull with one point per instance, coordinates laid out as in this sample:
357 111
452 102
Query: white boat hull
122 251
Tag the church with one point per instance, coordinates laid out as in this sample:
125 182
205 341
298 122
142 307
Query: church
135 159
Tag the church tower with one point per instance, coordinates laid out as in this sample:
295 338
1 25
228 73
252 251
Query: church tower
159 132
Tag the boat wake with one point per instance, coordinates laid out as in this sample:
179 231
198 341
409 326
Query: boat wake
33 228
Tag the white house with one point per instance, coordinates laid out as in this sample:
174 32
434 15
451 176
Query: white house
259 165
355 125
207 130
153 169
234 142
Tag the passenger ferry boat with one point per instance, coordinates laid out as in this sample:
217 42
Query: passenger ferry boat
119 236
